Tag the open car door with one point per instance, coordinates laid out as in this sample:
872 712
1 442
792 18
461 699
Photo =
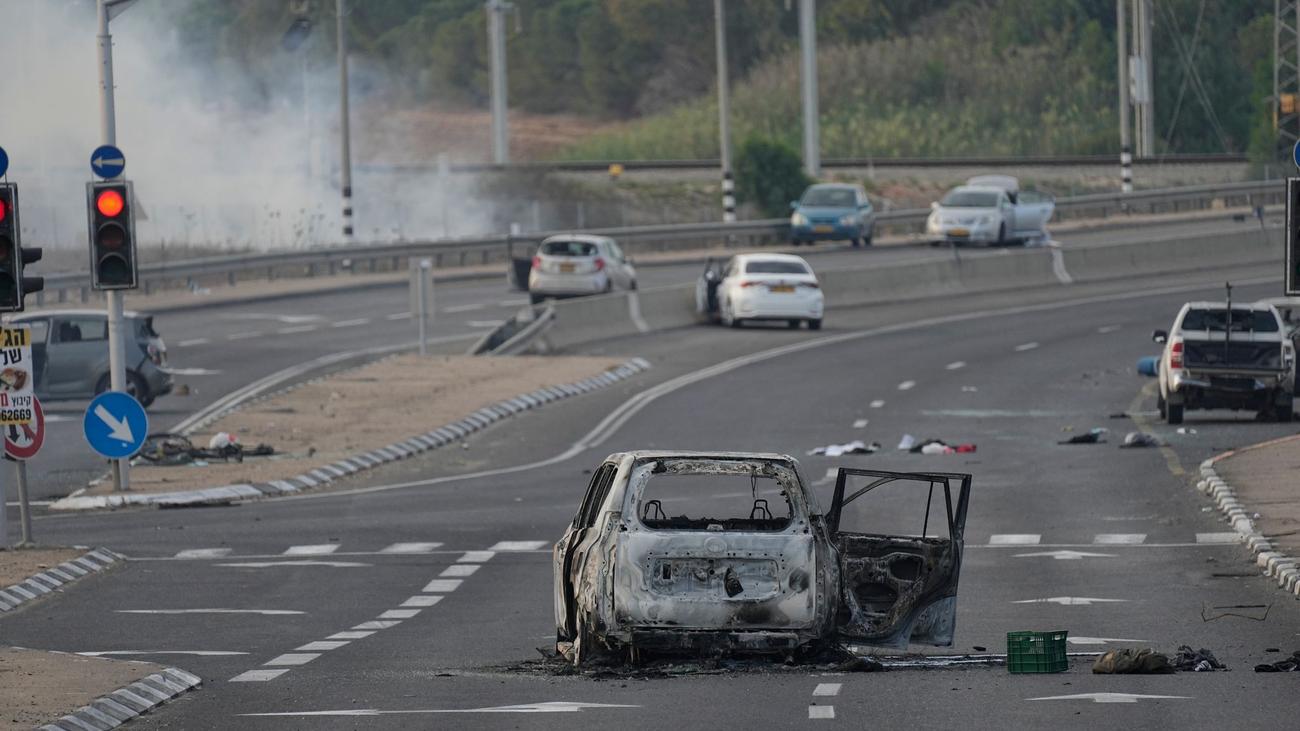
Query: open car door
899 536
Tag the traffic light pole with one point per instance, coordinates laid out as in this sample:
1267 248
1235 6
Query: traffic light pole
108 132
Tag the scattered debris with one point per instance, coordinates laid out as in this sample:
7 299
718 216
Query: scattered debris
1289 665
938 446
907 442
834 659
1186 430
1197 661
1149 366
1140 439
856 446
1128 661
1206 610
860 424
1096 435
177 449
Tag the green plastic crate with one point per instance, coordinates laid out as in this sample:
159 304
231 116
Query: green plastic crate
1037 652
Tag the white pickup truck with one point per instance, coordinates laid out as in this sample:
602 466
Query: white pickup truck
1218 356
989 210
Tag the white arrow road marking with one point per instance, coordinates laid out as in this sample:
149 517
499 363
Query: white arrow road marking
200 653
906 385
269 564
1098 640
1109 697
119 430
274 612
1066 555
1068 601
547 707
1014 539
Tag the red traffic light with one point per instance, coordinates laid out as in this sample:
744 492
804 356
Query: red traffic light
110 203
4 208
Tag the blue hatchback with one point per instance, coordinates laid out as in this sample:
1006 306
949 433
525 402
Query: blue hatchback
833 212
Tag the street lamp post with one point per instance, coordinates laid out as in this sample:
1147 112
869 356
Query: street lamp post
808 71
724 115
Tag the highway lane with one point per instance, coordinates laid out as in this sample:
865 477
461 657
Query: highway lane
454 655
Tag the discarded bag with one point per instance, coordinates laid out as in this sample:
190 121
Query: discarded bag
1132 662
907 442
1197 661
1096 435
938 446
1140 439
1289 665
856 446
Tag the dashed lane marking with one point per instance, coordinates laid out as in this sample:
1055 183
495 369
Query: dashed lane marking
126 653
1066 555
827 689
352 323
350 635
955 365
1025 347
907 385
1069 601
192 343
375 624
412 548
1119 539
821 712
293 658
272 564
399 614
512 303
422 600
546 707
243 336
295 330
320 549
267 612
204 553
877 404
483 323
258 676
1014 539
461 570
322 646
441 586
398 316
520 546
1218 538
1104 329
1109 697
464 308
860 424
475 556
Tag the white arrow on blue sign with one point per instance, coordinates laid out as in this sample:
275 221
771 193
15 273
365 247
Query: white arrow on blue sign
115 424
1295 154
107 161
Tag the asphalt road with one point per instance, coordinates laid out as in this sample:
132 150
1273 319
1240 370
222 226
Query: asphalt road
1013 373
223 348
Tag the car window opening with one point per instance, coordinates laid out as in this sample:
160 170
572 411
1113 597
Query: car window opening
1242 320
714 502
775 267
970 199
896 512
569 248
829 197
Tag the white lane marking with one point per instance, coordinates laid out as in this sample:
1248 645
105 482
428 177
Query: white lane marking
296 329
398 316
258 676
1214 538
200 653
1109 697
378 624
827 689
243 336
464 308
460 570
828 478
1015 539
349 635
1097 640
821 712
267 612
1107 329
519 546
1119 539
1066 555
877 404
204 553
421 600
412 548
512 303
969 389
475 556
547 707
319 549
907 385
442 586
955 365
271 564
1023 347
860 424
399 614
352 323
293 658
191 343
483 323
1069 601
190 371
284 319
322 646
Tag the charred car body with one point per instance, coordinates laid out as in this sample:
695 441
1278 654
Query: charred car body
729 552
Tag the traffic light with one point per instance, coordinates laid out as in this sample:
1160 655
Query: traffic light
1292 237
112 235
13 285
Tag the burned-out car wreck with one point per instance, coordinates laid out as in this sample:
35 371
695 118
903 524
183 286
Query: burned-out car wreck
729 553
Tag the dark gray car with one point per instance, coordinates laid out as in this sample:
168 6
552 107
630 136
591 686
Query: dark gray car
70 355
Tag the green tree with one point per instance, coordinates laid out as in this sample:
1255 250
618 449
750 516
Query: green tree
769 175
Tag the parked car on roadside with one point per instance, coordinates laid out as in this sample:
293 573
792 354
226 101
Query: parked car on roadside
833 212
1216 356
990 210
572 265
754 287
729 552
70 355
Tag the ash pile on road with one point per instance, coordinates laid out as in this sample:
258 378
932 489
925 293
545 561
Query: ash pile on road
551 664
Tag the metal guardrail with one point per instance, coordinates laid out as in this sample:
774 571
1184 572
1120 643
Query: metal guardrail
460 252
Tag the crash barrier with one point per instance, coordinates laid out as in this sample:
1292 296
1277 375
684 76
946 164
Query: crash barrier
949 274
515 334
497 250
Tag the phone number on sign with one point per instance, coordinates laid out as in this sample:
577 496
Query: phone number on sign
15 416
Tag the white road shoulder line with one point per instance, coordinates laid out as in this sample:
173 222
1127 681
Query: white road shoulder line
1217 538
270 612
204 553
313 550
200 653
1119 539
1014 539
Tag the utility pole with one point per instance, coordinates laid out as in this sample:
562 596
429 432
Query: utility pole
345 131
812 162
1148 83
1125 143
496 10
108 136
724 115
1286 75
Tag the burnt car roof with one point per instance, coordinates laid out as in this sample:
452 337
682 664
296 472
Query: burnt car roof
674 454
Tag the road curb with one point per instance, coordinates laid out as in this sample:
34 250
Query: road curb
50 580
124 704
317 477
1280 567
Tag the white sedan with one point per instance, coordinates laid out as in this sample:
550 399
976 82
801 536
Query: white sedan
762 287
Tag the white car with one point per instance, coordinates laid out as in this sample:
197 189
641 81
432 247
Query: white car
572 265
990 209
761 287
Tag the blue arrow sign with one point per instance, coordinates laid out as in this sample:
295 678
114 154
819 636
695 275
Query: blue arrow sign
107 161
115 424
1295 154
4 161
